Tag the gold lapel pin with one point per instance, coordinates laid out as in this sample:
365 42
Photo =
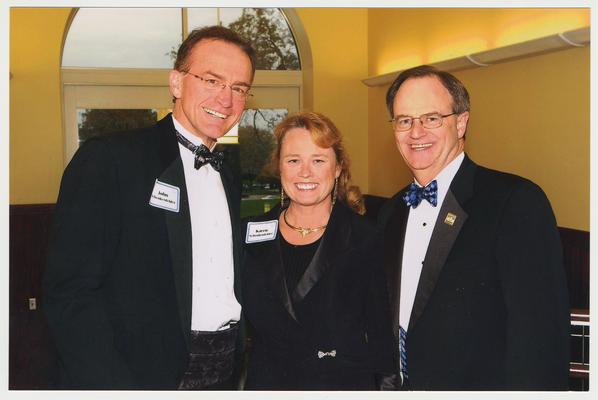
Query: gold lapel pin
450 219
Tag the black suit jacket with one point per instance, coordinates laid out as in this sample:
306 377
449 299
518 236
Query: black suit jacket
491 307
340 304
119 271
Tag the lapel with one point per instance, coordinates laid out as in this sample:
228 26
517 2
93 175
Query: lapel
178 224
334 242
268 255
394 234
443 236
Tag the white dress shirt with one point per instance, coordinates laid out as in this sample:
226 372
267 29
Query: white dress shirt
214 305
420 225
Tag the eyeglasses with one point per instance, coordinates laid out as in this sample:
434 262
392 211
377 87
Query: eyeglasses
240 92
429 121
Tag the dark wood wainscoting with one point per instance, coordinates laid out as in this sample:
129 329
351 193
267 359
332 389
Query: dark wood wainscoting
576 252
32 357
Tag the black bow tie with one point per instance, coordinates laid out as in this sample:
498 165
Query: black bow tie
203 155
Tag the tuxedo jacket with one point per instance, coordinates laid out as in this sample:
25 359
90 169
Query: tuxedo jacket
332 332
491 307
117 285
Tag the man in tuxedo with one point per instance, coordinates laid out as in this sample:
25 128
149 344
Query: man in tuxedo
474 260
141 285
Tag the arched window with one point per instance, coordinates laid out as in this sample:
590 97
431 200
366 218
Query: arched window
149 38
115 68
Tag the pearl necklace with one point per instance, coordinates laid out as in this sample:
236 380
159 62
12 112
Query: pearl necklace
303 231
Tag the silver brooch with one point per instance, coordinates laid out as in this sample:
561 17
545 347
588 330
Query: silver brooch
322 354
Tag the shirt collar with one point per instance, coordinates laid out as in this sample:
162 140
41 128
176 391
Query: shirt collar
445 177
188 135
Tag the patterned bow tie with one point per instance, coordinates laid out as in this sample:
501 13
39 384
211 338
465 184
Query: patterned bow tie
416 194
203 155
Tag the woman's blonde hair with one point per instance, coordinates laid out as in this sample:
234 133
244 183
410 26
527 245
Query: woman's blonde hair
326 135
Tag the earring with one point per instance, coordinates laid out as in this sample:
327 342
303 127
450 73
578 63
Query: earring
281 197
334 191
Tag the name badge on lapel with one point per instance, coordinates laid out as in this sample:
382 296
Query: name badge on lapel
165 196
261 231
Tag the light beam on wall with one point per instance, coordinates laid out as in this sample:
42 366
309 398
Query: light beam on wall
560 41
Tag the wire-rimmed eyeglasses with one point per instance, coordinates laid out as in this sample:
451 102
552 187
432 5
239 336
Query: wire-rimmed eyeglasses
402 123
240 92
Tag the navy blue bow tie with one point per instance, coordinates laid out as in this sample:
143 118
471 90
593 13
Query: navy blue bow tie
203 155
416 194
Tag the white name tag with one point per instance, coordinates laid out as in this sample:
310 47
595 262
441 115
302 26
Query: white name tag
261 231
165 196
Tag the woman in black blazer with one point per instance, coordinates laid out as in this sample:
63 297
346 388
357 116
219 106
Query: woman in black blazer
313 286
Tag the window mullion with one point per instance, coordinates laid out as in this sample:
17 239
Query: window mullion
185 23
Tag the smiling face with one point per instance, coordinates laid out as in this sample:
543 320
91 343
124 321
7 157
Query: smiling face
427 151
210 113
307 171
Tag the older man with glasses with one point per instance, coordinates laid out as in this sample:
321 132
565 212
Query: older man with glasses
474 260
141 286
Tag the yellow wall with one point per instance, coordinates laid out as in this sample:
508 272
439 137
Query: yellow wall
337 88
529 117
36 138
542 131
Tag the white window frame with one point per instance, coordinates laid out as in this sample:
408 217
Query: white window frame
148 89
